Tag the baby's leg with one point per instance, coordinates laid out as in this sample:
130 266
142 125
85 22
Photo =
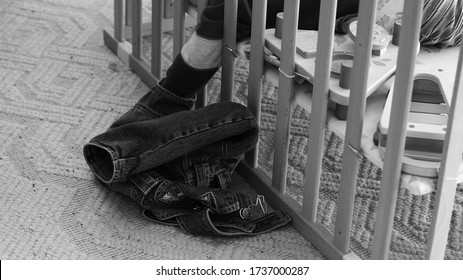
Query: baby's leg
201 56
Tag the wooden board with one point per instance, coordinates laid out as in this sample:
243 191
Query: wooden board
441 63
427 123
381 67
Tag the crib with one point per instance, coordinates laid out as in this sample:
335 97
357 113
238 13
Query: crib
175 15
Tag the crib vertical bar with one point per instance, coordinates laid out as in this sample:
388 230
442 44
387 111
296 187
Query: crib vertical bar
354 127
179 26
156 37
256 68
286 85
319 108
136 29
447 182
201 99
229 49
118 20
406 58
128 12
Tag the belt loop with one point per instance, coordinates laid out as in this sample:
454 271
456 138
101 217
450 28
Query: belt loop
224 179
202 174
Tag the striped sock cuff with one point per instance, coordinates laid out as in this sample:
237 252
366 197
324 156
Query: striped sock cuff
201 53
184 80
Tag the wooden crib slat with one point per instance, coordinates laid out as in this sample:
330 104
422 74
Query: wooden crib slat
201 99
156 37
285 92
325 45
354 127
229 49
409 35
256 68
136 29
128 12
315 233
118 20
447 182
179 26
136 60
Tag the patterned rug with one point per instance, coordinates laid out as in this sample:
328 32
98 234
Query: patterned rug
60 86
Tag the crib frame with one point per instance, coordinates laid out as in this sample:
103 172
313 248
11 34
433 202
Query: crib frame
332 245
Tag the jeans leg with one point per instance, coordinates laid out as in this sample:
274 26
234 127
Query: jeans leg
210 166
135 147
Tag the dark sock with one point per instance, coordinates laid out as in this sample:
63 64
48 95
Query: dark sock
184 80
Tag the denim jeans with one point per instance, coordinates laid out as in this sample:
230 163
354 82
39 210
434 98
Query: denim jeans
177 164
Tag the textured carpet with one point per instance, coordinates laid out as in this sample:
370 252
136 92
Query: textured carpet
60 86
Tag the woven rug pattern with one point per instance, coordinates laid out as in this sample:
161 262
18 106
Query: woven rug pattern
60 86
413 213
